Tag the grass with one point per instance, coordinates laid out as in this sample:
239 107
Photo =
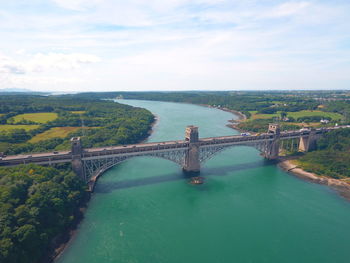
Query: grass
298 114
57 132
309 124
78 112
40 117
4 146
6 127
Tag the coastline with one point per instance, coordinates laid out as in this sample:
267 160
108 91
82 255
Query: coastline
341 187
241 116
232 123
61 242
153 125
286 164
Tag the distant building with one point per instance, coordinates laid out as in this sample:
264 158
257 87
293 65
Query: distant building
324 121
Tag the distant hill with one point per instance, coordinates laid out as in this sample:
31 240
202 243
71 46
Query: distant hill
10 91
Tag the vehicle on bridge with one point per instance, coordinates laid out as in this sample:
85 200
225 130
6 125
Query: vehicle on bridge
189 153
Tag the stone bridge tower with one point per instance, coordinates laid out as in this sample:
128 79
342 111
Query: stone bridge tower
192 164
273 147
77 150
308 143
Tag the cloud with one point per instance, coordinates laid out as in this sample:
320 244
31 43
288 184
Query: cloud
175 44
288 9
44 62
40 62
12 69
77 5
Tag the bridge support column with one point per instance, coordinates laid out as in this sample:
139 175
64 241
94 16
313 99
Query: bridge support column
192 164
77 163
273 147
273 150
307 143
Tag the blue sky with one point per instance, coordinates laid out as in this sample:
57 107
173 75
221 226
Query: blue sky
105 45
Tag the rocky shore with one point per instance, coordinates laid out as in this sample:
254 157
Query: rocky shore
342 187
288 164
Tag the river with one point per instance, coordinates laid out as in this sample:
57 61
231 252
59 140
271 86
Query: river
248 210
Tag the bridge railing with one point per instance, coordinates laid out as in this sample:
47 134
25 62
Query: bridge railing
135 148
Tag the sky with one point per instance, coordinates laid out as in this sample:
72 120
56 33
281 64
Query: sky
142 45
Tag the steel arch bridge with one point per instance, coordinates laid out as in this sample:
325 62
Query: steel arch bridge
189 153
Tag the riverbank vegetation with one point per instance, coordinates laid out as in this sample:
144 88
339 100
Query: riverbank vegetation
36 204
332 156
293 110
36 123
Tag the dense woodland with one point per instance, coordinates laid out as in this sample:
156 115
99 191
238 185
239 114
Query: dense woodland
272 102
331 158
240 101
36 204
247 101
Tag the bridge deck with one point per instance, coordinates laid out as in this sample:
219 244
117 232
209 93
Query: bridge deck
66 156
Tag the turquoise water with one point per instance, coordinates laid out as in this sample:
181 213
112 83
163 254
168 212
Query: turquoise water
248 210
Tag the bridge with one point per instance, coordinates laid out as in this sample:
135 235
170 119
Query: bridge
189 153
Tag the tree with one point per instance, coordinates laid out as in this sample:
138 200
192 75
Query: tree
283 115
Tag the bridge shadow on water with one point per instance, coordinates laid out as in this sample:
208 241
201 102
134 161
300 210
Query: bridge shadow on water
206 172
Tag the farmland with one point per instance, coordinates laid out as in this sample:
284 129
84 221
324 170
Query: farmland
40 117
5 127
297 114
56 132
40 124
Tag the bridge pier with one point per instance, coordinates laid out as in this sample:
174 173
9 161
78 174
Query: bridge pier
77 163
273 147
308 143
192 163
87 163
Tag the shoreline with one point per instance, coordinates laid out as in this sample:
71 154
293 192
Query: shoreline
286 164
232 123
61 241
153 125
65 238
341 187
241 116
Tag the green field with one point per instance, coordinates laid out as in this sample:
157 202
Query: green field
4 146
40 117
298 114
57 132
7 127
